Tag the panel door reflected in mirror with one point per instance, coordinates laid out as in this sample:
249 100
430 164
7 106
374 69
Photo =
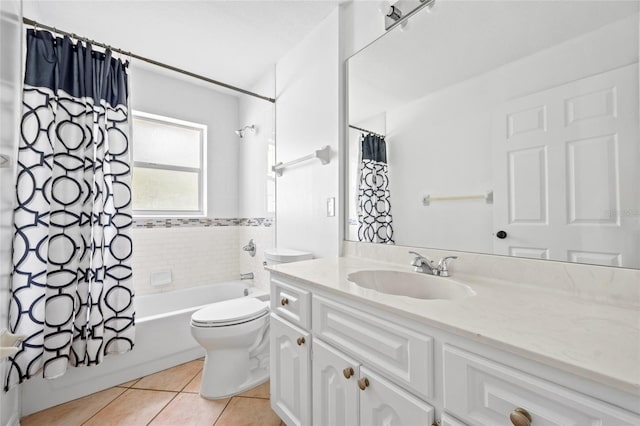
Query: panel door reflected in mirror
511 128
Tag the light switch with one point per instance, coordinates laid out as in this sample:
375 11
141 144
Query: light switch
331 206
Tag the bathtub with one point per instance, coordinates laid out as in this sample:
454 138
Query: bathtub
163 340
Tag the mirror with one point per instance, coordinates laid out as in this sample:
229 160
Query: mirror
511 128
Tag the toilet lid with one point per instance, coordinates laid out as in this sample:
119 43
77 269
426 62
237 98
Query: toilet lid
230 312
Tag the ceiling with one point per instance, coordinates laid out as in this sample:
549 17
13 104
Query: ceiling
233 41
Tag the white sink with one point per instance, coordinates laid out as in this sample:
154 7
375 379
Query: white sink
411 284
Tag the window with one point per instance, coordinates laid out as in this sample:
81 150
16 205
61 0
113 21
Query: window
169 173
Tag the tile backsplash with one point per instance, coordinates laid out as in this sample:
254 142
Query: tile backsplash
198 252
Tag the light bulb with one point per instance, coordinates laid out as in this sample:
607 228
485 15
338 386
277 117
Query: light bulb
383 7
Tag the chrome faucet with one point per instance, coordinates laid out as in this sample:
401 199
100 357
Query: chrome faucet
425 265
247 276
250 248
422 264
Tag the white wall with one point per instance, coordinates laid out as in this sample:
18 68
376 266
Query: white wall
10 85
310 84
253 169
307 118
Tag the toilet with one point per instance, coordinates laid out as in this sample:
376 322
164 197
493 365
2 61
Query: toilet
235 336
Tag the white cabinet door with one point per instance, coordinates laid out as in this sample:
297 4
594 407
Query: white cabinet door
335 391
383 403
565 178
290 372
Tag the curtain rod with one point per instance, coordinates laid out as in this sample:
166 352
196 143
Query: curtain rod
37 25
368 131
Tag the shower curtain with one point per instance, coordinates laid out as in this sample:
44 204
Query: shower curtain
374 205
72 292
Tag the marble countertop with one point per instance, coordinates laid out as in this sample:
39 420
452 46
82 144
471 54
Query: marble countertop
591 339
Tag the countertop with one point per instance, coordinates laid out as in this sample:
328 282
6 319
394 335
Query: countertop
594 340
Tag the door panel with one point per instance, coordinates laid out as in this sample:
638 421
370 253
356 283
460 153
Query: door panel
565 171
291 372
335 397
385 404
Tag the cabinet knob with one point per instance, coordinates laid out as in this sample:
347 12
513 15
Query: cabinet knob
520 417
284 301
348 372
501 234
363 383
300 341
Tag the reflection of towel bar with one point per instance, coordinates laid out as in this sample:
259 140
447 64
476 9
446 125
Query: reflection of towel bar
488 197
323 154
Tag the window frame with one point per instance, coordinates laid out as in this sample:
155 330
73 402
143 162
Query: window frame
201 171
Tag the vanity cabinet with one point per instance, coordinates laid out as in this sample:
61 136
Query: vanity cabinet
339 360
347 393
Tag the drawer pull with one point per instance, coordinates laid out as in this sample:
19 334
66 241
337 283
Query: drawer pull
363 383
300 341
284 301
520 417
348 372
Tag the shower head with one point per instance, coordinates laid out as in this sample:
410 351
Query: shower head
240 132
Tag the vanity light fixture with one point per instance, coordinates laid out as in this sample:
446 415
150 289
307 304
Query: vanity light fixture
399 12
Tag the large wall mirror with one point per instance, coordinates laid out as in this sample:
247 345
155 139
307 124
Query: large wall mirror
510 127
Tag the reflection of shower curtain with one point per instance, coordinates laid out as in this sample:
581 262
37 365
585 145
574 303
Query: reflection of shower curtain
374 206
72 292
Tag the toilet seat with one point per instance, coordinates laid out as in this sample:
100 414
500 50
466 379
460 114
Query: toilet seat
230 312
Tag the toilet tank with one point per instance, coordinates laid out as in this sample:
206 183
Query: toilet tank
279 255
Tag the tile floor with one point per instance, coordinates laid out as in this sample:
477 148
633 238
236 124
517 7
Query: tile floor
169 397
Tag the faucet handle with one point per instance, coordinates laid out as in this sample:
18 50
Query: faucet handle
442 266
418 257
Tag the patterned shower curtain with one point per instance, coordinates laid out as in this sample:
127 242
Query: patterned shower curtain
374 205
72 292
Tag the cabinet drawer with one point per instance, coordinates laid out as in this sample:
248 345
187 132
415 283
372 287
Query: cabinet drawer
291 303
483 392
401 354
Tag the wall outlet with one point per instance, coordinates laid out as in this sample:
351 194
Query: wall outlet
331 206
160 278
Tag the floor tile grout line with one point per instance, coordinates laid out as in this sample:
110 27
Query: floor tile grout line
154 390
191 380
163 407
175 396
251 397
106 405
222 412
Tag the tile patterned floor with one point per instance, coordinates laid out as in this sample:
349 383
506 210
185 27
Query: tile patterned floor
167 398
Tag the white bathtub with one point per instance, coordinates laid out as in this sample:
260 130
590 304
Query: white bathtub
163 340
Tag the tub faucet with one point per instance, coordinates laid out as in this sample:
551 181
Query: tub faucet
426 266
247 276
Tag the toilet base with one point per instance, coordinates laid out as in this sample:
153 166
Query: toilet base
210 389
256 378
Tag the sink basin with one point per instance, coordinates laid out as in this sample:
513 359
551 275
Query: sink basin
411 284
